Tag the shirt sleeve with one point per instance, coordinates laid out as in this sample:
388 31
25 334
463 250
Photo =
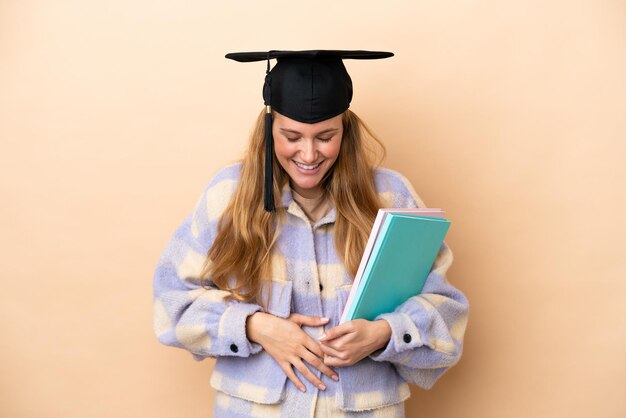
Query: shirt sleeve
186 314
427 330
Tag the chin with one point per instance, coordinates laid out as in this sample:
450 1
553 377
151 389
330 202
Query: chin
306 185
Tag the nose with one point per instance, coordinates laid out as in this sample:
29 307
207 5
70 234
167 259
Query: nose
308 152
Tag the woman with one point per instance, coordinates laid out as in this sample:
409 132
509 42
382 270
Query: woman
261 282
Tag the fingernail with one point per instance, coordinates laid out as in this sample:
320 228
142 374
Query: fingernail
302 388
321 386
324 319
335 377
323 337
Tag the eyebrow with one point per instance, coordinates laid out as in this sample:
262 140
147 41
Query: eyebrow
319 133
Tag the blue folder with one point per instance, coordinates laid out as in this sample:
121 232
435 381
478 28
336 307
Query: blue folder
401 259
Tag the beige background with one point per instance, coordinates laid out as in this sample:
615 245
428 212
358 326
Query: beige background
509 115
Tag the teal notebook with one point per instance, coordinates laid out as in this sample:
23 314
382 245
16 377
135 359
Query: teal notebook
401 259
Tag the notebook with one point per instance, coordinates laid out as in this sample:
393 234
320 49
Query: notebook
398 257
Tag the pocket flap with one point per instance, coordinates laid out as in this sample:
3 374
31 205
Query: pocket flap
279 297
359 392
257 378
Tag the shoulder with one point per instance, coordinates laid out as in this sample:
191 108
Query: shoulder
224 181
229 174
219 189
395 190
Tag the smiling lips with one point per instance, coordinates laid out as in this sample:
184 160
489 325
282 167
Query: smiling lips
307 167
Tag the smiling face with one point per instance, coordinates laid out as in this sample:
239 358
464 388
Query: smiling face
307 150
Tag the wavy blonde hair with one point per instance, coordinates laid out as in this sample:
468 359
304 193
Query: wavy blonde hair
240 258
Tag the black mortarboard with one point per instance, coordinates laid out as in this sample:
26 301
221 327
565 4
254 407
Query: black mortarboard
307 86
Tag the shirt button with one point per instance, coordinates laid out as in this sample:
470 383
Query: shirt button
407 338
234 348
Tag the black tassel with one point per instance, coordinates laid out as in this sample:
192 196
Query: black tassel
269 173
269 141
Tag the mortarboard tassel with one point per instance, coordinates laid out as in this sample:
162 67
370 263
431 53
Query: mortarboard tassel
269 142
269 153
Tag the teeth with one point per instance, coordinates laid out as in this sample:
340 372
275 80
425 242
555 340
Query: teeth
307 167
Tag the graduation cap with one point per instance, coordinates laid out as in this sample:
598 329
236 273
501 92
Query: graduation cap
307 86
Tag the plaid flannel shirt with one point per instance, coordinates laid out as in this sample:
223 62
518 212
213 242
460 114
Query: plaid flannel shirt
309 278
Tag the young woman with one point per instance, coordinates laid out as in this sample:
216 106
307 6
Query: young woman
260 280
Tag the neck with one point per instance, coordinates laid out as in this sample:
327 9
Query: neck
309 193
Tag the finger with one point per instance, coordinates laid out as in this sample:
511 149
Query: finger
330 351
308 374
311 321
313 346
336 332
340 343
292 376
319 364
335 362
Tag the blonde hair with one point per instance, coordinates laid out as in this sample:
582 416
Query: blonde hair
240 258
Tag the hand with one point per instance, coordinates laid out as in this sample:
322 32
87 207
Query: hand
346 344
289 345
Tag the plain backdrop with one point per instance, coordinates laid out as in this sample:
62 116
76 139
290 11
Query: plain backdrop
508 115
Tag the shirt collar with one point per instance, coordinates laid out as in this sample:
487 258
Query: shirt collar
295 209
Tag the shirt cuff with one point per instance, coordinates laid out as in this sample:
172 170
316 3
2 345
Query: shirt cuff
232 330
405 336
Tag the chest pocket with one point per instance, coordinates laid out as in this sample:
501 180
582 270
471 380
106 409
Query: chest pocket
357 391
257 378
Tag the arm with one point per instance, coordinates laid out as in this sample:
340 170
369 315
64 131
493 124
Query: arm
188 316
424 335
185 314
427 330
